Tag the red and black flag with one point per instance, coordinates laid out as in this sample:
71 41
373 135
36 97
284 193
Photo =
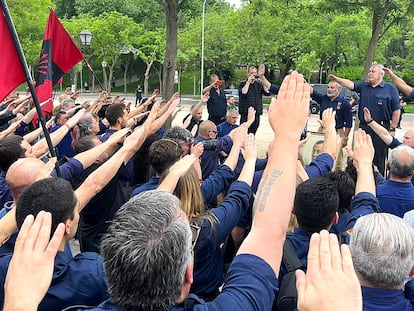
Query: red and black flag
59 54
11 71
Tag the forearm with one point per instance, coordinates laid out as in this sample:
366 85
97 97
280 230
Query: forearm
400 83
346 83
29 137
330 142
365 181
208 88
41 147
7 225
100 178
245 88
395 118
88 157
169 183
247 172
266 83
233 157
381 131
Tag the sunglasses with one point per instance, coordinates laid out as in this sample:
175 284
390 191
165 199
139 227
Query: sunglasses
195 231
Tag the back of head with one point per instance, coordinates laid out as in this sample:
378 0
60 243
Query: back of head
86 143
54 195
205 127
316 203
10 151
401 162
113 112
382 247
23 173
181 135
146 252
346 189
163 154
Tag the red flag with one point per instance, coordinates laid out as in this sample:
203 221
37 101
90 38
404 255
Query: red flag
59 54
11 71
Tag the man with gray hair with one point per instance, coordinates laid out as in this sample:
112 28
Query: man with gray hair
382 247
382 99
396 195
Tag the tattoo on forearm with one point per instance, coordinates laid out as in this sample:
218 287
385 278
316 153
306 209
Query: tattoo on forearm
265 189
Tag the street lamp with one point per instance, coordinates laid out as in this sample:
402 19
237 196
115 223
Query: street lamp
202 48
104 65
86 40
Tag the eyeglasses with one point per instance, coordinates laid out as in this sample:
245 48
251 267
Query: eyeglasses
195 230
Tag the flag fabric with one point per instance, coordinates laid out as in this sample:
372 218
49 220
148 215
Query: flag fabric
11 71
59 54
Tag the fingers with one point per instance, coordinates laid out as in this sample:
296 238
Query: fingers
313 255
23 232
347 265
335 253
300 286
325 252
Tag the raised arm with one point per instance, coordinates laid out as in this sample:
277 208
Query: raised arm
274 201
381 131
41 147
328 124
400 83
362 155
344 82
177 170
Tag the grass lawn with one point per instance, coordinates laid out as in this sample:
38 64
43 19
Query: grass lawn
409 108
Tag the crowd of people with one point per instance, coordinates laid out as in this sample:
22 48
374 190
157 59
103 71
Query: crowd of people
189 218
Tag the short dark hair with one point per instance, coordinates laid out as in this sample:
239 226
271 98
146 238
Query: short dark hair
315 205
54 195
346 189
85 143
181 135
10 151
163 154
59 115
113 112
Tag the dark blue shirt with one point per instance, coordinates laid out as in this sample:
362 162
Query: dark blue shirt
381 100
245 289
64 148
152 184
76 280
225 128
342 107
210 158
5 193
208 257
217 103
375 299
396 198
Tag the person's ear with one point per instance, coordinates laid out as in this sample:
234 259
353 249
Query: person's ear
68 226
335 219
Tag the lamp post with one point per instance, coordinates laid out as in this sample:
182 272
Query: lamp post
86 40
202 49
104 65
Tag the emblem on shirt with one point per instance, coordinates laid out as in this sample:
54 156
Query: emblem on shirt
338 105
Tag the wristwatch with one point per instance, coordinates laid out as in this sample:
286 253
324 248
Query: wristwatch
392 129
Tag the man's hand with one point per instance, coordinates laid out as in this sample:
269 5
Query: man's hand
239 135
197 150
31 267
205 97
251 115
290 109
367 115
261 70
328 119
333 78
363 149
250 148
388 71
330 282
181 167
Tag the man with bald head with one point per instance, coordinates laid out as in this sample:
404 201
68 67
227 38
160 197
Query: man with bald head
210 159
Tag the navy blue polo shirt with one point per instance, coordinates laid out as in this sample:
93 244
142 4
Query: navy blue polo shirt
342 107
217 103
381 100
396 198
376 299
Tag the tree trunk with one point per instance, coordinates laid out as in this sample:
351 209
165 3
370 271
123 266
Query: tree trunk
171 14
378 18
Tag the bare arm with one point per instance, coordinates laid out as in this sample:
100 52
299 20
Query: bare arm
41 147
250 156
265 82
378 128
400 83
273 204
178 169
238 137
344 82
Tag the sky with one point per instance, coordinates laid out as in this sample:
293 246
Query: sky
237 3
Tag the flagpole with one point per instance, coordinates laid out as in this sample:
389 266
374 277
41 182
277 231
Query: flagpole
29 80
94 74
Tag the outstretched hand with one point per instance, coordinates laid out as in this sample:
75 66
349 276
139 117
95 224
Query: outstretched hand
288 113
367 115
363 151
31 267
330 282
